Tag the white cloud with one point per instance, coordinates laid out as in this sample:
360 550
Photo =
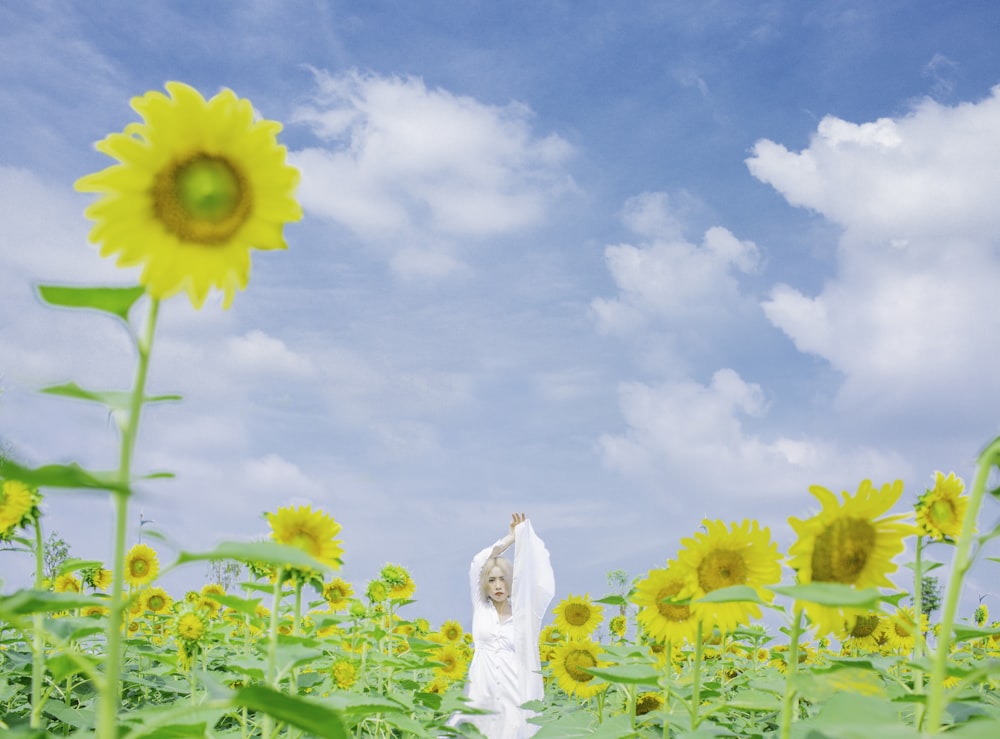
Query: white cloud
670 280
907 316
407 161
685 436
259 353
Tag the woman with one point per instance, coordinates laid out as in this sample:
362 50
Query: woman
508 603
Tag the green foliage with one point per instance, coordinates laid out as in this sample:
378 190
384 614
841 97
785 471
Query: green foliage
55 551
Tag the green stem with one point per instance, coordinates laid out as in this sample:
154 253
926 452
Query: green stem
38 642
667 677
108 699
961 562
919 647
272 648
696 688
788 708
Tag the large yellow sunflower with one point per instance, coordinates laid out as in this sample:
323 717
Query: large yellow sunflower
156 600
67 583
941 510
141 565
850 542
577 617
569 665
16 503
901 629
661 619
451 631
190 626
864 634
337 594
720 557
452 662
197 185
309 530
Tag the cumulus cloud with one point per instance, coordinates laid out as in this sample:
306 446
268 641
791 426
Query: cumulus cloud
906 316
406 162
257 352
685 436
669 279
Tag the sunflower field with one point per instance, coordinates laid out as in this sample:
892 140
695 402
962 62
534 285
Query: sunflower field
100 649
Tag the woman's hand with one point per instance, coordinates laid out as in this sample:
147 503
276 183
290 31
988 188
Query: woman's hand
515 519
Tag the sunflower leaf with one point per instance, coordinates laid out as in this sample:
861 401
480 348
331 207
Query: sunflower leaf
73 565
25 602
612 600
838 594
69 475
257 552
732 594
118 400
313 717
627 674
117 301
964 633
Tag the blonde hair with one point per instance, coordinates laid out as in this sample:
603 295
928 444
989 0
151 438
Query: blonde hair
508 574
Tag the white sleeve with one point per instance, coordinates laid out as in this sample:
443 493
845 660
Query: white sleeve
534 586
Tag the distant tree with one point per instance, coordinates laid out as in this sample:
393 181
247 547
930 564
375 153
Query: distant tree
55 551
930 596
224 572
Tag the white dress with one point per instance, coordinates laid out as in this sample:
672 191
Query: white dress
505 670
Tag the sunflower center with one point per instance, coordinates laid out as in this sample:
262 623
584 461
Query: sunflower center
139 567
865 626
575 663
577 614
156 603
202 199
668 610
842 550
305 541
942 512
721 569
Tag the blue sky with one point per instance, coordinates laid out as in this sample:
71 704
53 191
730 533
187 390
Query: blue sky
618 265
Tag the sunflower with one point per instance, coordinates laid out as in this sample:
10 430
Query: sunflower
648 702
156 600
190 626
569 665
661 619
863 633
141 565
399 582
308 530
94 611
67 583
17 503
577 617
345 673
451 631
97 577
850 542
452 662
618 626
902 629
337 594
197 185
377 592
941 510
981 615
718 558
206 601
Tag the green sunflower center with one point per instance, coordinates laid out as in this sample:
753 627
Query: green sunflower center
670 611
865 626
721 569
139 567
577 614
942 513
575 663
842 550
156 603
202 199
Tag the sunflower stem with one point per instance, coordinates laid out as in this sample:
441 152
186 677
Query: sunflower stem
696 688
960 564
666 689
108 698
272 648
38 642
788 707
919 647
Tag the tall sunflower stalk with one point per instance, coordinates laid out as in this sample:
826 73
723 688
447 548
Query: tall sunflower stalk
961 562
110 690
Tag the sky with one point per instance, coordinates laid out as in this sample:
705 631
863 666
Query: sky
621 266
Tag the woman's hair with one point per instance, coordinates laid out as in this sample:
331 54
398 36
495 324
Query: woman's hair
508 574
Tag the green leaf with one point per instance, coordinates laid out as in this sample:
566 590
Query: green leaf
627 674
964 633
64 476
26 602
314 718
260 552
117 301
246 606
74 565
119 400
732 594
612 600
838 594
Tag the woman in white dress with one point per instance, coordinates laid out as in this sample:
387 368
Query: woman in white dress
508 604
